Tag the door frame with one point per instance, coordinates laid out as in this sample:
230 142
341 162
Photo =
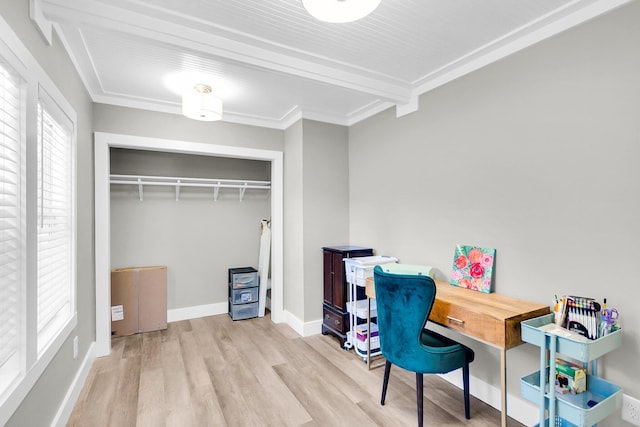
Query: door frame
103 142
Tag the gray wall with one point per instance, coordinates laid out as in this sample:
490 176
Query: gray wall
132 121
536 156
326 203
316 209
196 238
293 253
41 404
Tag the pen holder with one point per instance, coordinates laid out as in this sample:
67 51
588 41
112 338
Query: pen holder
558 312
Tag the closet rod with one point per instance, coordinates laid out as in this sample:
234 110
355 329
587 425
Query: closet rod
178 182
189 182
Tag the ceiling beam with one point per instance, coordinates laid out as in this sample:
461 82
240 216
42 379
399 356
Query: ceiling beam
208 43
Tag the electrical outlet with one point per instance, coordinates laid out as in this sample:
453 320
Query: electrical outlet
631 409
75 347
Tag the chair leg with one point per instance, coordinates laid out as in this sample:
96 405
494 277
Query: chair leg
420 393
385 381
465 382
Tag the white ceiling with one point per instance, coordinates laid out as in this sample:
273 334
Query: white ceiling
273 64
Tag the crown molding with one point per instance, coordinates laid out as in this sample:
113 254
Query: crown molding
183 32
519 39
42 23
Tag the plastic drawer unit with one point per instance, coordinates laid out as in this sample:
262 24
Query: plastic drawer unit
243 293
583 409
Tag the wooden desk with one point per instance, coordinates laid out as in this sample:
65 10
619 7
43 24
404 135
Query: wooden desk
492 318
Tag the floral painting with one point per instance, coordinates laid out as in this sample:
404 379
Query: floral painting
473 268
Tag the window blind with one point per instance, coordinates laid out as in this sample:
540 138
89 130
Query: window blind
55 206
11 236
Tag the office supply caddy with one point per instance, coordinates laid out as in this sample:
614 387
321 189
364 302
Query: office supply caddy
599 399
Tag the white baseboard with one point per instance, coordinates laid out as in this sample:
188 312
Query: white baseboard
313 328
186 313
294 322
303 329
70 399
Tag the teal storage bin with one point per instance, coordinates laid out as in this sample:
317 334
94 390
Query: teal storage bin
559 422
583 351
575 408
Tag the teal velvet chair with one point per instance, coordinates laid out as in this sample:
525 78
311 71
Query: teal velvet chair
404 303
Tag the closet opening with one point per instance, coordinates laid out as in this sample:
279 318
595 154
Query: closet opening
183 184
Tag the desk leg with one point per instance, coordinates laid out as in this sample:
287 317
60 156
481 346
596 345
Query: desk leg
503 384
368 333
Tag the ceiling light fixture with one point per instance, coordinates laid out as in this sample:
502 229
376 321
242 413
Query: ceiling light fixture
199 103
340 11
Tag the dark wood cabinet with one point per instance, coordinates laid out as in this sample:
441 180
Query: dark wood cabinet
335 320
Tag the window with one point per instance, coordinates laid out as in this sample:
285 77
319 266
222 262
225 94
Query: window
11 218
37 221
55 210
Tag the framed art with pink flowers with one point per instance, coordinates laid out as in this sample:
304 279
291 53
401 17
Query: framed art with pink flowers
473 268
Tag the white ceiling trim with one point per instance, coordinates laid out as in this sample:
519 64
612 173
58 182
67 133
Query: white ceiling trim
514 42
44 25
280 123
82 60
99 95
331 72
368 110
290 118
191 34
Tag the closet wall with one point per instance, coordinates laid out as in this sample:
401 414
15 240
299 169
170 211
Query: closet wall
197 238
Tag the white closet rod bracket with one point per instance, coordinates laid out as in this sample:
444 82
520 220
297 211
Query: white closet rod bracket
242 190
216 191
140 188
178 190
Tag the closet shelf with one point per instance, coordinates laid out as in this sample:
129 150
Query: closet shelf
179 182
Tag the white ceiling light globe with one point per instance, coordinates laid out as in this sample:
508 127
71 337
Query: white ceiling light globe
199 103
340 11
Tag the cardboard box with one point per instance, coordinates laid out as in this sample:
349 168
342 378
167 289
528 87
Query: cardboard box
138 300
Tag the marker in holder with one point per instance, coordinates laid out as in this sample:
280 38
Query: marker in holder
582 315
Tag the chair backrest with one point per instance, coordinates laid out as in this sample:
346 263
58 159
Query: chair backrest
403 303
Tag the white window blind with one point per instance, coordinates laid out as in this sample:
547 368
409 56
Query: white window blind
11 234
55 210
37 221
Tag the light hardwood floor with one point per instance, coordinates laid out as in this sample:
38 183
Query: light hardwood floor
213 371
